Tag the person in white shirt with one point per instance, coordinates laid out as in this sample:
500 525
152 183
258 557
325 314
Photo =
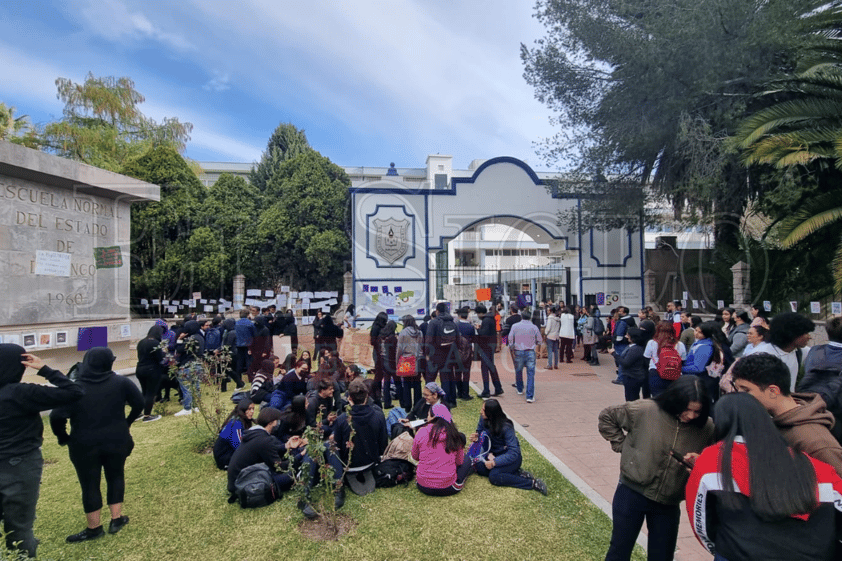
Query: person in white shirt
789 333
551 332
566 333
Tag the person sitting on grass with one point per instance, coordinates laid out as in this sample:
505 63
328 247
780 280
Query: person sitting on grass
502 465
231 435
431 395
259 446
327 404
439 449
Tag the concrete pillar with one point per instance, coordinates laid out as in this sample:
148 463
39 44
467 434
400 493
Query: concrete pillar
239 291
649 288
742 286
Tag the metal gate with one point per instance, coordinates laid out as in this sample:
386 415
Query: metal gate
549 282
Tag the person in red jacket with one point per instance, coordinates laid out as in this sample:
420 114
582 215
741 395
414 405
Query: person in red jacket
750 497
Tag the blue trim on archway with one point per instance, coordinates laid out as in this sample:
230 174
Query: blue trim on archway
440 245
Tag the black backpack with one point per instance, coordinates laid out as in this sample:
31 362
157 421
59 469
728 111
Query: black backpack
449 334
389 473
254 487
598 326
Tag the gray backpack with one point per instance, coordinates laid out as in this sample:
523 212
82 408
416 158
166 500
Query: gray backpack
254 487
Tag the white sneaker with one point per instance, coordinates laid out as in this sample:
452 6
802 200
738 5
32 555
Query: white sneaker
195 410
530 401
183 412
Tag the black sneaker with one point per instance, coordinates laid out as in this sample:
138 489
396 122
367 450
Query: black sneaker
117 524
617 381
150 418
497 393
86 534
525 474
486 394
307 510
466 397
540 486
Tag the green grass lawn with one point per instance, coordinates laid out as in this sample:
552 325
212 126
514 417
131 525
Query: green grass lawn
176 499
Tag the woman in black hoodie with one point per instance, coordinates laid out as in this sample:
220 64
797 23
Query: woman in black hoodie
188 352
99 438
229 341
21 436
151 369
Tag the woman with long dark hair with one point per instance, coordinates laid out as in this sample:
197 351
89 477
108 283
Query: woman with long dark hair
502 465
99 439
751 497
239 420
759 315
410 344
439 448
331 333
388 360
646 433
664 338
725 317
704 353
377 326
151 369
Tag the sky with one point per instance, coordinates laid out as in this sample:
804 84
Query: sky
369 82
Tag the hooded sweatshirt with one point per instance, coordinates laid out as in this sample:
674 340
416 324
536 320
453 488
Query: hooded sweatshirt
258 446
21 429
807 429
196 350
370 438
98 421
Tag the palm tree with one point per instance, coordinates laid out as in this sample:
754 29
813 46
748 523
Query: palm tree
817 213
16 129
803 126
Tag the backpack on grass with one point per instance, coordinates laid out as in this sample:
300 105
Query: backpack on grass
255 487
389 473
669 363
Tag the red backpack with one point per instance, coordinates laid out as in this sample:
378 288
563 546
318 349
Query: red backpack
669 363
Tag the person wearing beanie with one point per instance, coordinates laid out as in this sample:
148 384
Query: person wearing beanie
21 436
439 448
99 439
430 396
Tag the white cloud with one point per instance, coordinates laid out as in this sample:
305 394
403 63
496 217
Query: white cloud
219 83
114 21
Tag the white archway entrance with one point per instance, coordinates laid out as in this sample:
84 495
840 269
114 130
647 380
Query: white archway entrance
400 231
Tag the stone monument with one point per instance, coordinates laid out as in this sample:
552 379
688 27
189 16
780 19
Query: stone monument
65 248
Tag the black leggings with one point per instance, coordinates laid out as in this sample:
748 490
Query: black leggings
89 466
150 383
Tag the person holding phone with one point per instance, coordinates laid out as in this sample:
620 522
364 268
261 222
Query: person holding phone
21 436
650 434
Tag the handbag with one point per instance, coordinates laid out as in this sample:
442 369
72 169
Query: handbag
407 366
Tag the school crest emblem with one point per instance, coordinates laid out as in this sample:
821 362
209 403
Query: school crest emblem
391 238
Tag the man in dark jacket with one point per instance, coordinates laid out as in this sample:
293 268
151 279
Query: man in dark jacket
370 437
620 341
442 344
467 336
21 436
486 343
823 373
259 446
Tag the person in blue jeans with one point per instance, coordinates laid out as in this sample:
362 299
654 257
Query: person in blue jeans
502 465
524 337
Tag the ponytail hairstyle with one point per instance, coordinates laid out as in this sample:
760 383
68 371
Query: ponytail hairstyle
782 481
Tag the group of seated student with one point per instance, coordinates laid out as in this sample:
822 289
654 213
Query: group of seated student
277 438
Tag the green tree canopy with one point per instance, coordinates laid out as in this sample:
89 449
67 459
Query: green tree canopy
170 257
232 209
103 125
304 230
286 143
647 91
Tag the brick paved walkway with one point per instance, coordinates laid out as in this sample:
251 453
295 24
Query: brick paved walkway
564 420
